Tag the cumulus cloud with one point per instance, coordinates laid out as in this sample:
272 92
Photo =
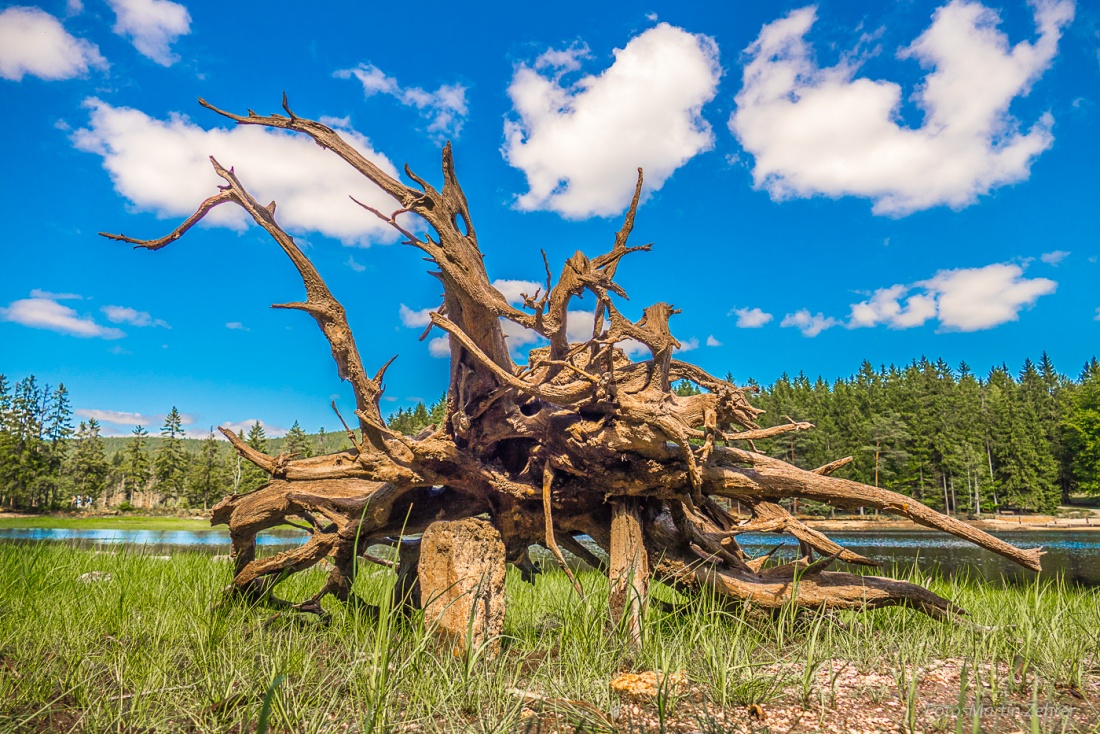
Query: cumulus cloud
440 347
412 318
34 42
163 166
580 144
712 342
126 315
750 318
809 324
39 312
966 299
445 108
513 290
816 130
686 345
1053 258
152 25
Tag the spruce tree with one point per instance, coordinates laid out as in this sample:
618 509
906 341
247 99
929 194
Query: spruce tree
56 431
252 477
297 445
207 481
135 467
170 464
1081 430
89 462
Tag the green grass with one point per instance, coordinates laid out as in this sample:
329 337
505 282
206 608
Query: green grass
117 522
151 650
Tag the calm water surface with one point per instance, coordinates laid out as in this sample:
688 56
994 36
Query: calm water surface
1074 554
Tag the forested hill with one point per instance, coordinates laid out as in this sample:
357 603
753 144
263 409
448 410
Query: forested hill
953 439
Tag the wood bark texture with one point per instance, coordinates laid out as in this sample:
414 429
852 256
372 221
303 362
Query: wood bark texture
579 440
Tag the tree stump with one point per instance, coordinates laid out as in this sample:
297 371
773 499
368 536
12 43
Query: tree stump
629 569
461 573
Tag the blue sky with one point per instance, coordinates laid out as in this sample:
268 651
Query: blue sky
825 184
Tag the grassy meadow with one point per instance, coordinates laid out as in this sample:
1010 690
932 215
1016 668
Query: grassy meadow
150 649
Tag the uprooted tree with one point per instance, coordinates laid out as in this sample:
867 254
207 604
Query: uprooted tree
579 441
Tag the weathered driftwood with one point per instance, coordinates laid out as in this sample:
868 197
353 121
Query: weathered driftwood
579 440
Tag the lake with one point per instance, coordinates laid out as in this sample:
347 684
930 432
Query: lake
1074 554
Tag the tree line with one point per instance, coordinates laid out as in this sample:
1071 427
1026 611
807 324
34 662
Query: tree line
962 443
959 442
48 463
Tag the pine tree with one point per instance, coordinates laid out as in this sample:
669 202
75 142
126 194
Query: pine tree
89 462
207 481
7 442
297 445
56 430
170 464
252 477
135 467
1081 430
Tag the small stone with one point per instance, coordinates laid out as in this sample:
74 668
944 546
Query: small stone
93 576
461 573
648 684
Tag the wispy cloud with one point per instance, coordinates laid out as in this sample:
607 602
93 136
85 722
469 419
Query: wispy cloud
712 342
237 326
445 109
1053 258
126 315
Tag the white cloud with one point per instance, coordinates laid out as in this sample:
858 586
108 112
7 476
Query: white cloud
809 324
826 131
967 299
46 313
712 342
414 319
355 264
580 145
126 315
1097 315
885 307
120 417
237 326
688 344
34 42
1053 258
163 166
513 290
980 298
238 426
750 318
445 108
39 293
152 25
440 347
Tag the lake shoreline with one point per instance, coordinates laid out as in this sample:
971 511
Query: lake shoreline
105 521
